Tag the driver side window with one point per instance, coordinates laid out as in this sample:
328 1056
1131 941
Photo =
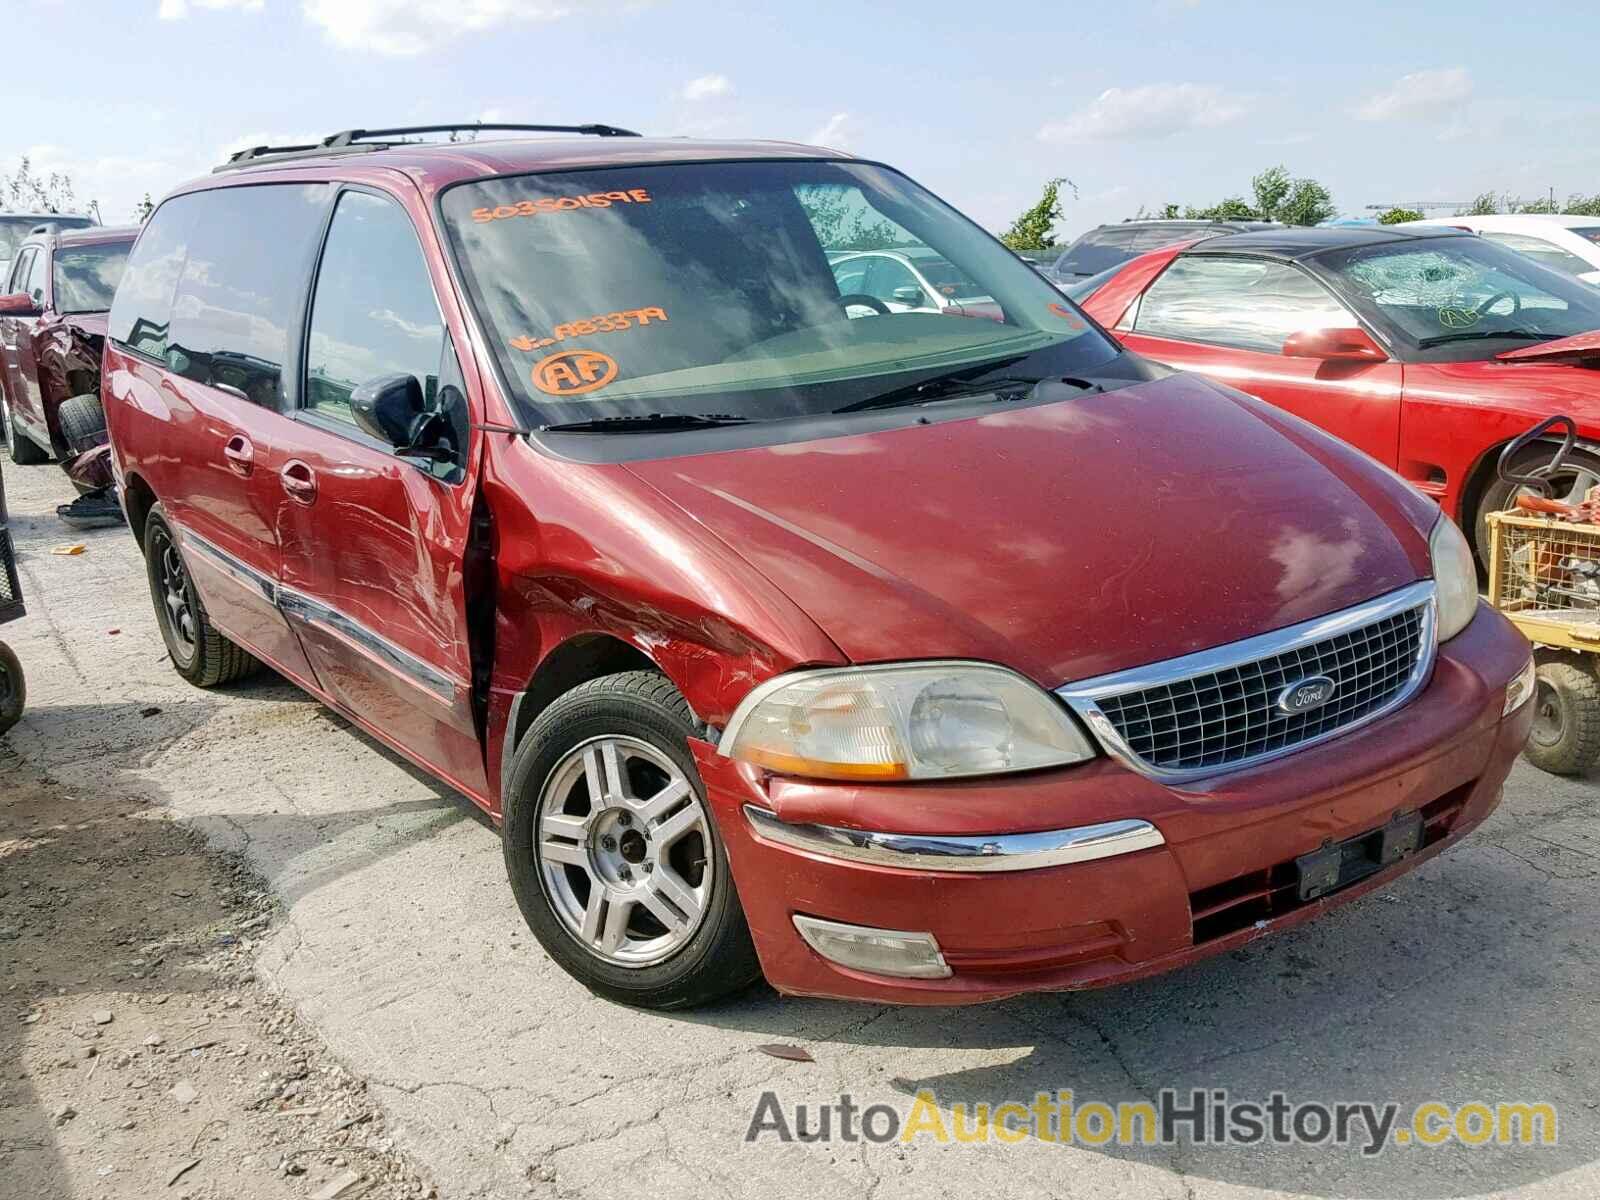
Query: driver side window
374 313
1245 303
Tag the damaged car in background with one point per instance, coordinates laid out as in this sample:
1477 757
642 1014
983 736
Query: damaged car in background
52 330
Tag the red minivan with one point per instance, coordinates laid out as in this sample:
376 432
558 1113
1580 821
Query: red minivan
896 656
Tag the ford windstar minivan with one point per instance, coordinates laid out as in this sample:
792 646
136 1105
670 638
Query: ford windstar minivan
918 655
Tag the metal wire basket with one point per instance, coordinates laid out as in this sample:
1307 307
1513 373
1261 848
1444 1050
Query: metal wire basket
10 585
1544 573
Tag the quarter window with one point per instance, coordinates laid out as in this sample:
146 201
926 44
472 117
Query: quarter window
1249 304
374 313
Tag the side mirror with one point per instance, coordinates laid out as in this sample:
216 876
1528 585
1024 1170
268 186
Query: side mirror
386 408
910 294
18 304
1334 345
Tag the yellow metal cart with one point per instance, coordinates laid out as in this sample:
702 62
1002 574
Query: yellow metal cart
1544 575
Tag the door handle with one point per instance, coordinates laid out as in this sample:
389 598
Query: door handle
241 455
299 481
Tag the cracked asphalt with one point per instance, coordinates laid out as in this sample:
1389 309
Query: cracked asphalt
1473 979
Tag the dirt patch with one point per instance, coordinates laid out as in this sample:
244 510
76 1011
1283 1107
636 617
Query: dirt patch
138 1055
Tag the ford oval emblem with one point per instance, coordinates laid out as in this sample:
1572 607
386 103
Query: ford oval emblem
1303 695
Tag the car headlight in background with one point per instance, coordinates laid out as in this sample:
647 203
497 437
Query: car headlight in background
897 722
1455 576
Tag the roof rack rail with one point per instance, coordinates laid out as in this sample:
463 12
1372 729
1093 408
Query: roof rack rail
353 141
350 136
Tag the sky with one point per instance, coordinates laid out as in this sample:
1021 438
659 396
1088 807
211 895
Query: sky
1139 104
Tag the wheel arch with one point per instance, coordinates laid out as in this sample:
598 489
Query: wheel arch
577 660
137 500
1481 473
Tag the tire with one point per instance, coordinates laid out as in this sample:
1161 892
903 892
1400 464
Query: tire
1581 473
198 651
1565 739
13 689
83 422
24 452
649 963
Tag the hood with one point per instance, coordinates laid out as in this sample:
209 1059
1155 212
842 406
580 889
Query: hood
1063 540
1580 347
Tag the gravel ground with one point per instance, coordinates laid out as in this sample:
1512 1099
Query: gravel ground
400 949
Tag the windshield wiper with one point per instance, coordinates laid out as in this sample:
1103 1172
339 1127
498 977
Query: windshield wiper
646 423
961 385
1472 335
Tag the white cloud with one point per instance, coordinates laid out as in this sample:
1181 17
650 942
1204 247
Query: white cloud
1421 94
117 181
1155 110
707 87
177 10
410 27
838 133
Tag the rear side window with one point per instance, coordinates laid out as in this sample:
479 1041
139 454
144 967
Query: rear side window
217 291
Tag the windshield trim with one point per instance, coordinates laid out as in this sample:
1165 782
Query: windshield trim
675 444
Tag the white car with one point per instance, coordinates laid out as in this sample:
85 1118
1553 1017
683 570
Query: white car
1569 244
906 279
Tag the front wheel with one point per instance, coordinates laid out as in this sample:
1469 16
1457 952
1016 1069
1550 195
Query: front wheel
13 688
612 851
1565 738
1580 473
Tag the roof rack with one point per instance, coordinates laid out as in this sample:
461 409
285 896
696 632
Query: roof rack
360 140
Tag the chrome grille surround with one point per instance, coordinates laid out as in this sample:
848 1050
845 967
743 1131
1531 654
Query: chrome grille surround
1214 711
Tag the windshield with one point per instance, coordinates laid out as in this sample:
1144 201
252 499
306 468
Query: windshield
87 276
14 229
708 288
1449 290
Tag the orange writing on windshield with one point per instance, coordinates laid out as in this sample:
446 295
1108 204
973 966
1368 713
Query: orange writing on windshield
549 204
573 372
613 322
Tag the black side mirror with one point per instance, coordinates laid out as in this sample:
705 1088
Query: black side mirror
385 408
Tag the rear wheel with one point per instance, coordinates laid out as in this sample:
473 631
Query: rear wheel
1580 473
198 651
1565 738
13 688
612 852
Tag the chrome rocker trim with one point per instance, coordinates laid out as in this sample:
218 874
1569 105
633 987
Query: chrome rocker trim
937 852
1083 696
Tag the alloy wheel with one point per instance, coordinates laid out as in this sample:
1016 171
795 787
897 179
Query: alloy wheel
623 846
175 593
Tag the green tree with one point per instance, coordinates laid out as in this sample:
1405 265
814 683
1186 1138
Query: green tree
1486 205
143 209
1583 206
1396 215
1033 230
1233 208
841 225
1308 203
1169 212
1272 188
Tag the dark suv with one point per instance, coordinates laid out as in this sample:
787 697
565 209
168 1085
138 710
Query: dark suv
784 632
52 329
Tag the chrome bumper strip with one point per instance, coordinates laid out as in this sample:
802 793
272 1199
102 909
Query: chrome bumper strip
935 852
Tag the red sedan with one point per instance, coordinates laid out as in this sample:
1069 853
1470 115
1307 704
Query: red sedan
1430 351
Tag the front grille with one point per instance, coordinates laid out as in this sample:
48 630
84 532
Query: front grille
1228 716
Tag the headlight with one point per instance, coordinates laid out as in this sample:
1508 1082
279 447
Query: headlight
1455 575
923 721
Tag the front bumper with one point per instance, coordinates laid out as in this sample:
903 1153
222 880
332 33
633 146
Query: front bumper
1096 875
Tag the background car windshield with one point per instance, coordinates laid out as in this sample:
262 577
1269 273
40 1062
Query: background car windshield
14 229
87 276
707 288
1451 287
948 278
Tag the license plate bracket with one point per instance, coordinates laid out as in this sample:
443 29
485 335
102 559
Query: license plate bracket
1339 864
